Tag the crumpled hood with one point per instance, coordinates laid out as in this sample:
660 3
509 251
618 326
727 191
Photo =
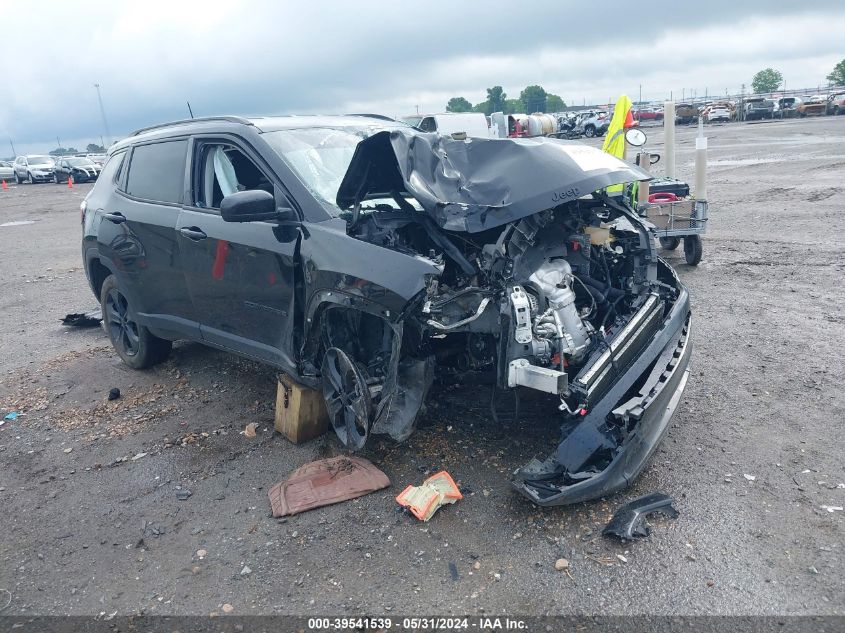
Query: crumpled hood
479 183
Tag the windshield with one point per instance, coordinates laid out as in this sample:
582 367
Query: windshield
39 160
80 162
320 156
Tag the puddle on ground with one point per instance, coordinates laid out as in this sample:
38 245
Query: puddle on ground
18 223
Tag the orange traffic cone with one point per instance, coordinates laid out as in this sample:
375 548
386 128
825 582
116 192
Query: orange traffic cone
70 182
5 186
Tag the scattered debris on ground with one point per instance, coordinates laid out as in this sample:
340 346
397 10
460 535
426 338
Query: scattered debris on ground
629 521
436 491
84 319
325 482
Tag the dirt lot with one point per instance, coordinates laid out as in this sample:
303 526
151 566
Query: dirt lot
91 521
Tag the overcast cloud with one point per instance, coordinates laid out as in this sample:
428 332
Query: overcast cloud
281 57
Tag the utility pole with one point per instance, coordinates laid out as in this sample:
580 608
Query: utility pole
103 113
418 109
13 147
191 112
58 143
640 102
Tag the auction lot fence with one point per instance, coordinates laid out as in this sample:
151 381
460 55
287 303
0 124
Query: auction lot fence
422 624
739 99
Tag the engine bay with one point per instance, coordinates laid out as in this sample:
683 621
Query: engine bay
535 301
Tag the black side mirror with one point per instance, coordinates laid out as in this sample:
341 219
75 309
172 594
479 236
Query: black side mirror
252 206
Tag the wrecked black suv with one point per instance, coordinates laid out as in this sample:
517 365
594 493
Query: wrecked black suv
359 256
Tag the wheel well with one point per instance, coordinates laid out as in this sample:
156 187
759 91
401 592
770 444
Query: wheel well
97 274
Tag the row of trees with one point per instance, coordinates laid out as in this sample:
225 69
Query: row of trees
531 99
769 79
91 148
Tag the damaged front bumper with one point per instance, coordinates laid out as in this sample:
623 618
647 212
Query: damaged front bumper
662 370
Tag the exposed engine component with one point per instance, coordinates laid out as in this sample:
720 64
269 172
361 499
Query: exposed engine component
561 320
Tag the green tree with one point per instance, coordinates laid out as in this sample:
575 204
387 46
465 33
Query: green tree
767 80
59 151
837 77
554 103
534 98
514 106
93 148
458 104
497 97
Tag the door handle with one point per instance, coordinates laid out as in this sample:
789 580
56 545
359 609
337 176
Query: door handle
116 217
193 233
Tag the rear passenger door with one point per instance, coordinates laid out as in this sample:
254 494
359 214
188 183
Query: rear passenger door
240 275
144 245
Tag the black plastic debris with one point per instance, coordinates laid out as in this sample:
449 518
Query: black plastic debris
114 393
629 521
83 319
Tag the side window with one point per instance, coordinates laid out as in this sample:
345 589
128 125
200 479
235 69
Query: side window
428 124
221 170
157 171
111 170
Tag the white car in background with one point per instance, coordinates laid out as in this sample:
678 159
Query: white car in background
717 112
7 172
473 124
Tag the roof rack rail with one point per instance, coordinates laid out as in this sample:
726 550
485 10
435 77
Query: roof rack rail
230 119
383 117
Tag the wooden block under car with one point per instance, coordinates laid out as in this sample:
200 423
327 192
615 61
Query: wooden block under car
300 412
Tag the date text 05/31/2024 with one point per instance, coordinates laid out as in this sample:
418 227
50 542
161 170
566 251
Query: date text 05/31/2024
417 624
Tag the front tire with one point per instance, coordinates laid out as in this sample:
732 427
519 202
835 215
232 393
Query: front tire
17 179
670 243
29 179
133 342
693 249
55 179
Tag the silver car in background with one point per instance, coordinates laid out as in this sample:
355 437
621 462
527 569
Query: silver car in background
7 172
34 168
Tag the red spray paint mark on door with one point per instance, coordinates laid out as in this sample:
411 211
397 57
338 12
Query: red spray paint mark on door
220 260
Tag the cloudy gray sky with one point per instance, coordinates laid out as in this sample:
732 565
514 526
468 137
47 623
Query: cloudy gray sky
240 57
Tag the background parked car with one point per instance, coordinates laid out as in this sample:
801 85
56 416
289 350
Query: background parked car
33 168
98 159
759 108
813 106
836 103
82 170
594 123
648 114
686 113
717 112
787 107
7 172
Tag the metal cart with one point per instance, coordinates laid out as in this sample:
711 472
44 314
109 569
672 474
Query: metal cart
674 220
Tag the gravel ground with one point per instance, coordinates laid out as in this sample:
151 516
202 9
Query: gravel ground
91 520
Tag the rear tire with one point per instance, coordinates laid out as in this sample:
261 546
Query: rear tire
693 249
134 343
590 131
670 243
